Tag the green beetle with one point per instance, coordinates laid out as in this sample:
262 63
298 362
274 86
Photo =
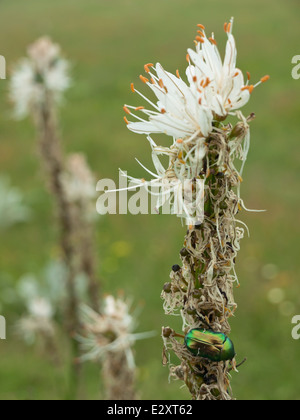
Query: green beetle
211 345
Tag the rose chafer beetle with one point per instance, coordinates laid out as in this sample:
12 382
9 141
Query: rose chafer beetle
211 345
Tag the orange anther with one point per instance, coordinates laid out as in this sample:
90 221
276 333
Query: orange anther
177 74
199 39
188 58
201 26
250 88
228 28
265 79
144 79
179 141
200 101
236 74
225 26
207 82
152 81
139 108
132 87
147 67
163 111
195 79
248 75
201 34
126 110
125 119
213 41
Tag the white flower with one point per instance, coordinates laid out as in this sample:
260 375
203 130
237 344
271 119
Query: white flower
43 73
78 180
190 113
177 112
222 85
110 331
30 328
179 186
40 307
215 89
12 208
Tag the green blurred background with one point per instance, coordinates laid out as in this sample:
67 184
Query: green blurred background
108 42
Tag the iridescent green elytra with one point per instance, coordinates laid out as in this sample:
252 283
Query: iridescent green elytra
211 345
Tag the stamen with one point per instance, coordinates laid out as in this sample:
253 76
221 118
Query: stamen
163 111
207 82
201 40
144 79
201 26
132 87
250 88
139 108
195 79
225 26
248 75
201 34
236 74
126 121
147 100
188 58
177 74
179 141
229 27
147 67
126 110
213 41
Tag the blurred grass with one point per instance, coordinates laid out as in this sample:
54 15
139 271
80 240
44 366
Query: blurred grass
108 43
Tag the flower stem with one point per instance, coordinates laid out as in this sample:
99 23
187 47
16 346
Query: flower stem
202 289
51 153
